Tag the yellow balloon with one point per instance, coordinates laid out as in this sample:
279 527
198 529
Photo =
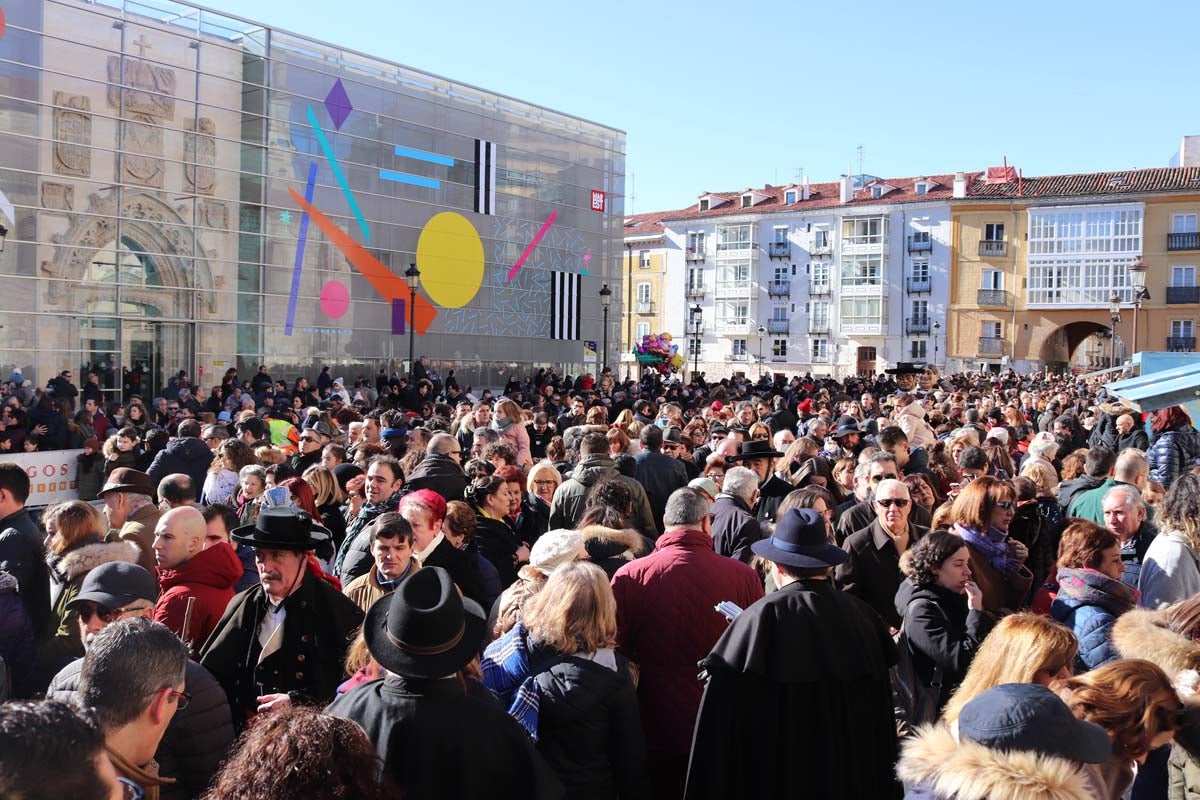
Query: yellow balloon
450 257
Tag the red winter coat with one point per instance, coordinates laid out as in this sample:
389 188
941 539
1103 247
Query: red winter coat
666 623
209 576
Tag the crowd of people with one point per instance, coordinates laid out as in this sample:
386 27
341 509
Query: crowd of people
902 585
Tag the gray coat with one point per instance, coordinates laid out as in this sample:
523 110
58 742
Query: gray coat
566 509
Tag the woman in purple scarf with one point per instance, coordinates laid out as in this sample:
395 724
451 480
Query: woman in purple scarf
981 515
1090 593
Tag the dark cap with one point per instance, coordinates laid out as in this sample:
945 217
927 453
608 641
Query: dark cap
115 585
126 479
1030 717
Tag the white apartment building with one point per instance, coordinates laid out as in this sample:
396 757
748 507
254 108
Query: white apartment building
833 278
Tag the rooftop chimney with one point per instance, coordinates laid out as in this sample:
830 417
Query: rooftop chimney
960 185
805 189
847 189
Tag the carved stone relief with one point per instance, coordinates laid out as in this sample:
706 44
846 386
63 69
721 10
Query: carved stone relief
142 160
72 135
148 89
200 155
58 196
214 215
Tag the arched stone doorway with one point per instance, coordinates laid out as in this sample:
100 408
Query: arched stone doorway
1082 345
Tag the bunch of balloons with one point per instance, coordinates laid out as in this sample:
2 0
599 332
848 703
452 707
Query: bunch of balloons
656 350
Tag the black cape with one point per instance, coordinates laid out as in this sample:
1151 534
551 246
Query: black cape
798 690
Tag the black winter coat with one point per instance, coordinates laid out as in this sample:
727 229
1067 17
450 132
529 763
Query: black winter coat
873 571
186 454
498 543
590 730
22 555
1172 453
860 515
437 742
439 473
942 632
659 475
463 569
734 528
198 738
317 630
1068 490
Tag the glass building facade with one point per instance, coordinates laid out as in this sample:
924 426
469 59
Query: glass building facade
195 191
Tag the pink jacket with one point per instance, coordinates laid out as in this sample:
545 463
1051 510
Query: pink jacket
517 438
911 420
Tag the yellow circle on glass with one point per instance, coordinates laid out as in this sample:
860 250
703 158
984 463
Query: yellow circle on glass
450 258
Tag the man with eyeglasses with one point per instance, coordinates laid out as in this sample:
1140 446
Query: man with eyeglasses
873 570
882 466
199 736
716 435
312 440
440 470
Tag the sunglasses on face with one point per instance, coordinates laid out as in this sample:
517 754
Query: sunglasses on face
106 615
309 439
878 478
888 502
1007 505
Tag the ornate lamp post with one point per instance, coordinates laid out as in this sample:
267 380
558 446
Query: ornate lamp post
605 299
762 331
413 276
1137 275
1114 314
937 326
697 325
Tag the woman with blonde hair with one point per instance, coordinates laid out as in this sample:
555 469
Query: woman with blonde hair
1022 648
329 497
561 679
1171 568
1134 702
506 420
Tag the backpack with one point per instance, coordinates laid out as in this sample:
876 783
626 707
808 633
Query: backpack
914 703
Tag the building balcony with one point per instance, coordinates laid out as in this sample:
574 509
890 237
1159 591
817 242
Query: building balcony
819 326
737 356
919 244
730 328
779 250
824 249
694 292
991 346
778 326
695 254
820 358
1183 294
779 288
992 297
1183 241
646 307
916 325
1181 344
819 289
989 248
918 285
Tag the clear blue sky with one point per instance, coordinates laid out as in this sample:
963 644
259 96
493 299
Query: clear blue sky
720 96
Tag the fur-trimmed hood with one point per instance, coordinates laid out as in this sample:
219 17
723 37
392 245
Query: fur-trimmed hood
1142 633
602 542
936 761
82 560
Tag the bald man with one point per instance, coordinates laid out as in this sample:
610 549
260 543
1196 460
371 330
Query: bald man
189 573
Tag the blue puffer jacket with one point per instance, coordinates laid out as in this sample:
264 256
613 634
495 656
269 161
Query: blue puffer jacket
1093 628
1172 453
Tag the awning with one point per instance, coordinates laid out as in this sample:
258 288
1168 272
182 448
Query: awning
1163 389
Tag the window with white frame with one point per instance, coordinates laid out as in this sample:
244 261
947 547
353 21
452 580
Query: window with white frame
876 192
781 273
861 311
1183 223
747 201
918 349
862 269
693 347
739 347
819 349
921 188
1183 276
789 196
695 279
820 273
863 230
643 329
1181 328
733 274
779 313
819 316
779 348
991 330
920 310
1080 257
993 232
921 237
920 269
643 293
780 232
645 259
735 237
732 312
820 238
704 204
695 242
991 279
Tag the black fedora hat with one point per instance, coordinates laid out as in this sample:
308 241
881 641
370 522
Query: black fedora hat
424 629
756 449
846 425
282 528
800 541
907 368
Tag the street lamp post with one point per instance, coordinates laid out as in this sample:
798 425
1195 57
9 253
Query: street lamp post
937 326
413 276
1137 275
605 299
761 332
1114 315
3 236
697 328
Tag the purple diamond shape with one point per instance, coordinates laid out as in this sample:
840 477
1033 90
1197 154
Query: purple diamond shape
337 103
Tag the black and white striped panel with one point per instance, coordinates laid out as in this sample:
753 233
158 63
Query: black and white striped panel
485 177
566 293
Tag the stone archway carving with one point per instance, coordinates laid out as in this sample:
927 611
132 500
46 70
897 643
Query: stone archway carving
147 220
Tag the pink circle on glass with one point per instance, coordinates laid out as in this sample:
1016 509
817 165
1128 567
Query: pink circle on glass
335 299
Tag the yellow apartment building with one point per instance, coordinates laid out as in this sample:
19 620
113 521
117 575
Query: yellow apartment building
1037 262
643 269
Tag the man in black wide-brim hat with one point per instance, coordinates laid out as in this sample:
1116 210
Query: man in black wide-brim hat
438 734
759 456
805 669
284 640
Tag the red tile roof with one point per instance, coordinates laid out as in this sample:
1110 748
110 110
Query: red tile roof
821 195
646 224
1130 181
